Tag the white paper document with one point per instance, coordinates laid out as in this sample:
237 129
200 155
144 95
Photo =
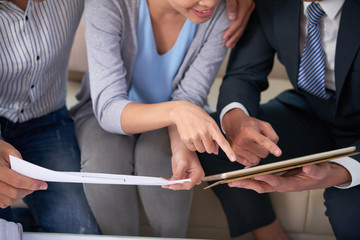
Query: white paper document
44 174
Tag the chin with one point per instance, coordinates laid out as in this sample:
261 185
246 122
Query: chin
198 20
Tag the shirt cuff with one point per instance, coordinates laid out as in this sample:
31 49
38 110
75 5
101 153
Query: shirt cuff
353 167
229 107
111 117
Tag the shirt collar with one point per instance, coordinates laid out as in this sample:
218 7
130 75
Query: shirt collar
330 7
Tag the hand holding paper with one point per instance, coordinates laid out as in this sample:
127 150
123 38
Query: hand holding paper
40 173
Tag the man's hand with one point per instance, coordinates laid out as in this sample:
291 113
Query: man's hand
250 138
319 176
239 12
14 186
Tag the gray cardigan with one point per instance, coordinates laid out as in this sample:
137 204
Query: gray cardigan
112 45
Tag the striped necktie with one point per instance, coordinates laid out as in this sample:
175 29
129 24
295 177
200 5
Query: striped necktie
312 65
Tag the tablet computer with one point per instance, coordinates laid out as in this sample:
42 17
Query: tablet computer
279 167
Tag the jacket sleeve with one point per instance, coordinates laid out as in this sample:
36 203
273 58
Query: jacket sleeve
249 64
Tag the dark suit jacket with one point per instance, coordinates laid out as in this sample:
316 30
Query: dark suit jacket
275 28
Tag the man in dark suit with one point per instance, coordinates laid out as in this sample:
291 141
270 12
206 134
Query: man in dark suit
319 45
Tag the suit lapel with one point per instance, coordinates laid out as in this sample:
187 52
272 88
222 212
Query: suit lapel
348 42
287 32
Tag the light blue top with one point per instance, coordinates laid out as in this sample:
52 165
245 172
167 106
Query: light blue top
152 80
112 49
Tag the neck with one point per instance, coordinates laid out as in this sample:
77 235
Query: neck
21 3
161 8
166 24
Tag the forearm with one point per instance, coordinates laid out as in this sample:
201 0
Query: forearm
175 140
139 118
196 129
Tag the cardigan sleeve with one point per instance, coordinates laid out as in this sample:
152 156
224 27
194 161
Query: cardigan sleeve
107 73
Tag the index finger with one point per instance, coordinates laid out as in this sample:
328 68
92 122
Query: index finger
233 34
224 144
268 144
231 8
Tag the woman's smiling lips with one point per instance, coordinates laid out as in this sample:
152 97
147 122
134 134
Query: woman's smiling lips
203 13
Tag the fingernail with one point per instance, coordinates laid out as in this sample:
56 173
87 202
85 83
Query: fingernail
232 16
232 45
233 157
43 187
277 152
307 169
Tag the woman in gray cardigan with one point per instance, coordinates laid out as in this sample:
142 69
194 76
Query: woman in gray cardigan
140 111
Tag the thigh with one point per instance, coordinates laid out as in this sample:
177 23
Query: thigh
342 208
168 211
245 210
6 214
102 151
342 205
300 132
153 154
105 152
50 142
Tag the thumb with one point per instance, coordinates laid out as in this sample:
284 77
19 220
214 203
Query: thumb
309 169
178 173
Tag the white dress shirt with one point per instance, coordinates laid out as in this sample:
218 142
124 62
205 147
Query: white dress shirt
329 27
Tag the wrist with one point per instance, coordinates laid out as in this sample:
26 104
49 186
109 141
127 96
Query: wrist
174 108
343 176
232 117
175 140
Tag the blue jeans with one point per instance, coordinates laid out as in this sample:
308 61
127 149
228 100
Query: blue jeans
50 141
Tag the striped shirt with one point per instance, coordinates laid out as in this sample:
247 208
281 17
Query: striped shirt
35 47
